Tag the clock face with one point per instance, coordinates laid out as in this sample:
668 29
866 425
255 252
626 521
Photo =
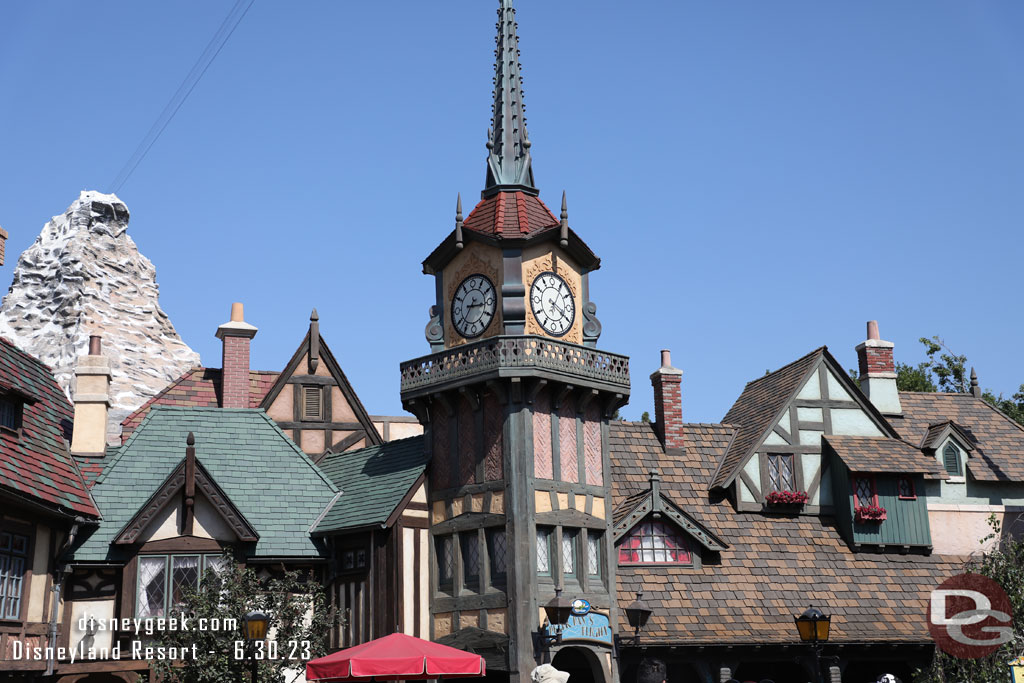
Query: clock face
473 306
552 304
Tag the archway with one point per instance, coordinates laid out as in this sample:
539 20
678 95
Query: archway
580 663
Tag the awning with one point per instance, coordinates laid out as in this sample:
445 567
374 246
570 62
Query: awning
396 656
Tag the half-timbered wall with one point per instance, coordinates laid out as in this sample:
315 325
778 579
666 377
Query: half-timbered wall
821 406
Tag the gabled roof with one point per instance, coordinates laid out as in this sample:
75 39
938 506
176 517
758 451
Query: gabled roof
373 481
997 440
871 454
199 388
175 482
36 463
324 354
937 433
637 507
771 567
762 402
267 477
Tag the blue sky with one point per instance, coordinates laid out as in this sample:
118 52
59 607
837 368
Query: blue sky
759 178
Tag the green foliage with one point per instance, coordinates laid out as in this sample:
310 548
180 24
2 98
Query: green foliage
943 371
910 378
646 417
1004 564
854 375
1013 406
296 605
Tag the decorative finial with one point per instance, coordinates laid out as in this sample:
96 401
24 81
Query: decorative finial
314 341
975 389
458 222
313 317
190 440
564 235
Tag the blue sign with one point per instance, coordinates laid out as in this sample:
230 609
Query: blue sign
580 607
592 627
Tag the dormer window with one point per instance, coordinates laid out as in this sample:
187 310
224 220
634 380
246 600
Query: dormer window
10 412
952 460
654 543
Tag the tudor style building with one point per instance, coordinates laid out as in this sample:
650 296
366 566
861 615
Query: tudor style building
516 398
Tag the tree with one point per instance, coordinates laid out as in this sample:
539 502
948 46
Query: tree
646 417
1004 564
299 622
1013 406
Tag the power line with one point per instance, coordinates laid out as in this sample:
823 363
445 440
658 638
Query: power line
213 48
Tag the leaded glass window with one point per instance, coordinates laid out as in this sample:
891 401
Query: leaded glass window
445 550
569 551
780 472
184 577
593 554
13 555
654 543
496 547
864 490
544 551
470 560
905 488
151 601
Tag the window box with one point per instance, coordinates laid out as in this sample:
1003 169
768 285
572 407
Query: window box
786 498
869 514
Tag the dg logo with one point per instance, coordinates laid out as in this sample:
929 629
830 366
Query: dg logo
970 616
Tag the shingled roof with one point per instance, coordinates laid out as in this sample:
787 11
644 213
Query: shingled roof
880 454
997 440
757 409
373 482
772 567
34 461
510 214
237 447
199 387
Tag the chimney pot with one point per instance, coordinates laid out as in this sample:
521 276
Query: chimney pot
95 345
873 330
666 358
237 312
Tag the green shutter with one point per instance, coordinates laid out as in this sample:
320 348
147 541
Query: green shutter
951 459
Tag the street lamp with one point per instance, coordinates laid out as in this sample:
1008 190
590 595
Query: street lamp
813 627
255 632
637 614
558 610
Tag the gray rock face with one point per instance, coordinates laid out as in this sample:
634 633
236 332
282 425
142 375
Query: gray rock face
82 276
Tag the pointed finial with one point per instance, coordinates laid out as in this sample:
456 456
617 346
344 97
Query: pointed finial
564 236
458 222
313 317
314 341
190 440
975 389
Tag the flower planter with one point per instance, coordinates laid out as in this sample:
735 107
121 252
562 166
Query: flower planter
785 499
871 514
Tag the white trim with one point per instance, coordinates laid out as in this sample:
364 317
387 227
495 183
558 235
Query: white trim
968 507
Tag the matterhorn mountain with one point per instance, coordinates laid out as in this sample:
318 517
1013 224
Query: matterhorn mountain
82 276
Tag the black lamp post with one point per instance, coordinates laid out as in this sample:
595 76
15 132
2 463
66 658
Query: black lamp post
558 611
813 627
255 632
637 614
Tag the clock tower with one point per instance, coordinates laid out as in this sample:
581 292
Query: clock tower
515 400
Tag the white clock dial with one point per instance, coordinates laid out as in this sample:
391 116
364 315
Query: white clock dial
473 306
552 304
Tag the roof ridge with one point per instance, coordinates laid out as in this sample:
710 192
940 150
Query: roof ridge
778 370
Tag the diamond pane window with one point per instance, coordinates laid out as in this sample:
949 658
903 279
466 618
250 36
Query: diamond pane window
470 546
905 488
864 491
152 587
496 546
780 472
544 551
445 551
569 551
593 554
654 543
184 577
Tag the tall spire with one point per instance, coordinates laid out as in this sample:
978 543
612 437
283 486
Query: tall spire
508 159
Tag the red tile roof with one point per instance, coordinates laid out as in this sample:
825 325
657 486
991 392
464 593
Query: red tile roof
198 388
773 566
36 462
510 214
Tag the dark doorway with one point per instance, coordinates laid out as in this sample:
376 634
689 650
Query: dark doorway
579 664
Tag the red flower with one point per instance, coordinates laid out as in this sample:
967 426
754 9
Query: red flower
869 513
786 498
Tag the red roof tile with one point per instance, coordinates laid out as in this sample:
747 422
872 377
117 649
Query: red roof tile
510 214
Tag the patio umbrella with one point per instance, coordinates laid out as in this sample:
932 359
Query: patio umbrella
396 656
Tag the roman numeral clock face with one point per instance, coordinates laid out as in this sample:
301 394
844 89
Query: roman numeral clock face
473 306
552 304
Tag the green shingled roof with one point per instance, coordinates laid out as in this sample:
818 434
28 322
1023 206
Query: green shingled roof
373 482
269 479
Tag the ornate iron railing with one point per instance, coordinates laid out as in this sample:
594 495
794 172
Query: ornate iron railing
508 355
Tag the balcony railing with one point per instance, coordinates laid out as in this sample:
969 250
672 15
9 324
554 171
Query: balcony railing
510 356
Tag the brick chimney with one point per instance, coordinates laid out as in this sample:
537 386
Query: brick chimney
3 244
668 402
878 372
235 336
92 401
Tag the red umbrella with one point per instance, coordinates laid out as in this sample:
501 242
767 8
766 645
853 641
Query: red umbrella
397 656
